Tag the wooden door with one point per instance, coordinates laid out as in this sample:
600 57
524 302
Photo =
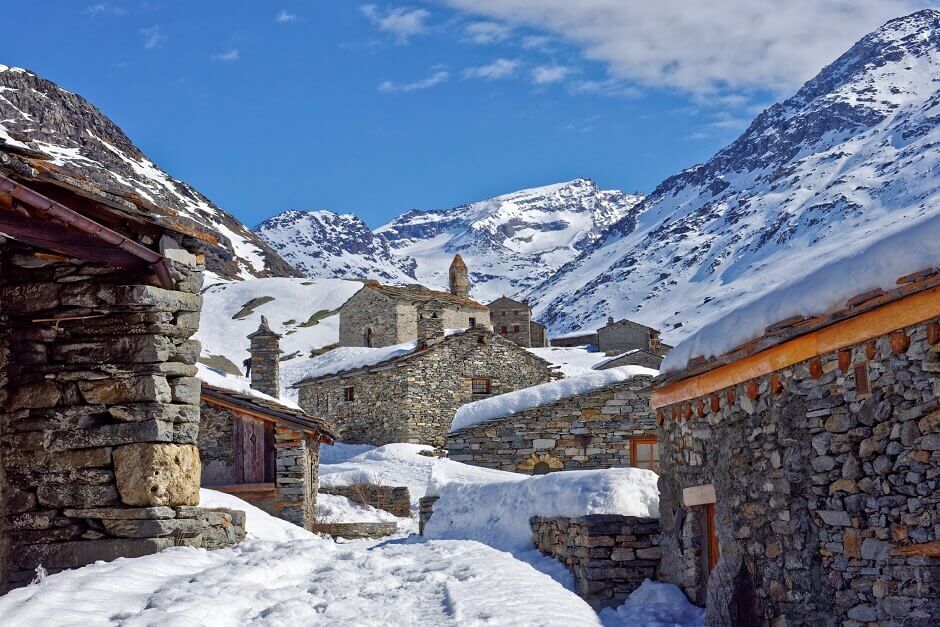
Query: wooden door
711 533
250 444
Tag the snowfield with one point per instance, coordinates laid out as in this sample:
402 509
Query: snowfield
498 513
513 402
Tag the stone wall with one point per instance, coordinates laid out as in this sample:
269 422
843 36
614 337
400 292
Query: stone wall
639 357
511 316
575 340
394 322
608 555
265 360
296 481
425 510
101 413
826 489
621 336
591 430
414 399
216 445
538 335
392 499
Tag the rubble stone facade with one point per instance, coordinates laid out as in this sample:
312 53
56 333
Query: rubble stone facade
100 415
413 398
826 479
608 555
392 499
590 430
620 336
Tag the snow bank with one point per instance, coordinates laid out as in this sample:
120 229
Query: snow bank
498 514
333 508
400 465
654 604
240 385
538 395
910 249
259 525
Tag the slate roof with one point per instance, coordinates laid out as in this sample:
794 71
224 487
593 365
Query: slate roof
420 294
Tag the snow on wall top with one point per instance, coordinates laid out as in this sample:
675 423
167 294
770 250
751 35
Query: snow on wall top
239 385
911 249
498 513
505 404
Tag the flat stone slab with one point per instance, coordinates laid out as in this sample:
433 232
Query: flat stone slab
354 531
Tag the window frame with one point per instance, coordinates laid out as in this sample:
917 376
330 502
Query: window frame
349 394
487 385
652 462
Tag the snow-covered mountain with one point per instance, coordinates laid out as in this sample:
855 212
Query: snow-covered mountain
43 126
851 158
323 244
510 242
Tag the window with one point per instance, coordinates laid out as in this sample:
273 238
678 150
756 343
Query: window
473 322
504 330
644 453
515 312
367 338
515 328
349 394
481 385
502 313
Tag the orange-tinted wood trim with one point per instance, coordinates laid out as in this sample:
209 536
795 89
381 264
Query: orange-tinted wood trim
895 315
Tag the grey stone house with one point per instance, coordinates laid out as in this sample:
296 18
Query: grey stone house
409 393
257 446
383 315
99 404
513 320
800 470
623 335
608 426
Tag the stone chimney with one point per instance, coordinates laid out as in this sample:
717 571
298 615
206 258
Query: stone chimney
265 355
459 277
430 325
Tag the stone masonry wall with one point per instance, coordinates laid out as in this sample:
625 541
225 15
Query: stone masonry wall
392 499
99 425
415 400
621 336
216 445
296 481
608 555
591 430
514 317
828 505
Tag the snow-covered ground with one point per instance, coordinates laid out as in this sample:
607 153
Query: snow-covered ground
572 360
513 402
284 574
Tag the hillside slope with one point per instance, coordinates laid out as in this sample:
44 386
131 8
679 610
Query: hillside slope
45 126
851 158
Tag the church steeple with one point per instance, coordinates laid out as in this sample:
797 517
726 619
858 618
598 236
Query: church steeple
459 277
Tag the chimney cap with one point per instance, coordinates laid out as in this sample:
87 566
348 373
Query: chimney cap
264 329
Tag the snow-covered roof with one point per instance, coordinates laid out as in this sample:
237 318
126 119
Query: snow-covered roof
600 365
909 250
238 385
505 404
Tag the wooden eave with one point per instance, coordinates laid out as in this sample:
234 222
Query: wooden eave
911 304
220 398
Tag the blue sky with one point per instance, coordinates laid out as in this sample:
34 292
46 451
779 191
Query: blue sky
379 108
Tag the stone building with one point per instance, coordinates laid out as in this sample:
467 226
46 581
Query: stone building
618 337
257 446
513 320
800 470
409 392
383 315
99 296
605 424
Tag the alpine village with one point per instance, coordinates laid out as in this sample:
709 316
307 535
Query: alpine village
714 403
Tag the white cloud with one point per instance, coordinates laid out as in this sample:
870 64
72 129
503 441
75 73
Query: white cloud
153 36
548 74
486 32
500 68
284 17
702 47
100 8
228 55
402 23
438 77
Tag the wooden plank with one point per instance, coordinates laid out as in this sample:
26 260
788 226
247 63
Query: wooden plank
895 315
699 495
711 530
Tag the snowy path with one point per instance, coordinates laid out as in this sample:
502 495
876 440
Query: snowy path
309 582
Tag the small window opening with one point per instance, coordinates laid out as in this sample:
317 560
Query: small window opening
644 453
541 468
349 394
515 328
473 322
481 385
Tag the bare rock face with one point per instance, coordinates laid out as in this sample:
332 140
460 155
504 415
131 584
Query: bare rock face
152 474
